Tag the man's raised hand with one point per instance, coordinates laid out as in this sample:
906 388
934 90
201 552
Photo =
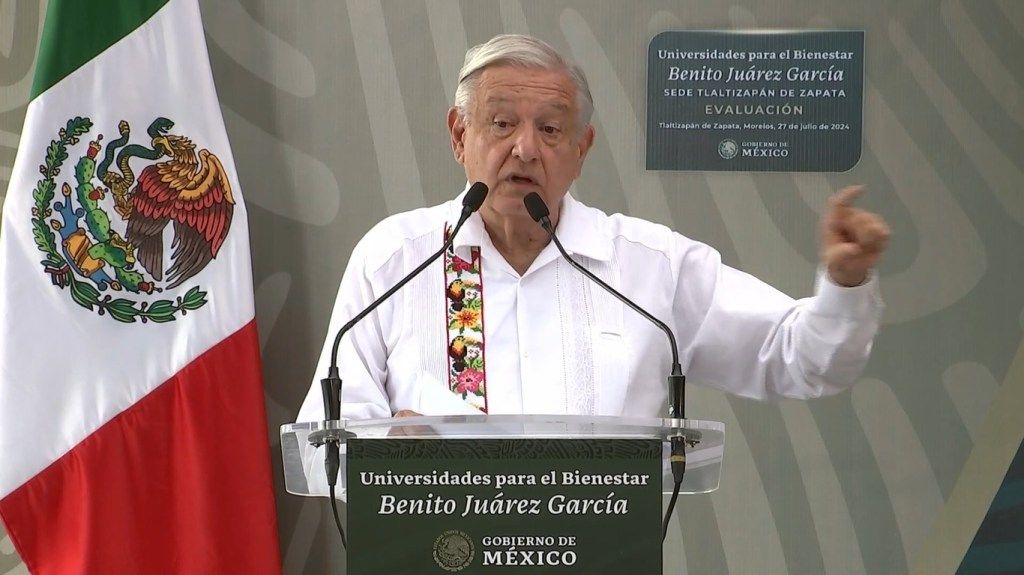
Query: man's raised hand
852 239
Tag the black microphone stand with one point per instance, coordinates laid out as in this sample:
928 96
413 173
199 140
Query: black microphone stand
331 385
538 210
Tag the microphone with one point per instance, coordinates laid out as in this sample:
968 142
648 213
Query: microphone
331 385
538 210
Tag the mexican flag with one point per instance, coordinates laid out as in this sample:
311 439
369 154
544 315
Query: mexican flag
132 430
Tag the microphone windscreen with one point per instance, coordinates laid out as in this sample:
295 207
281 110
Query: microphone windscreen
475 197
535 206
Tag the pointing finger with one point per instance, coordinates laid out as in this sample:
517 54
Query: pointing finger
844 198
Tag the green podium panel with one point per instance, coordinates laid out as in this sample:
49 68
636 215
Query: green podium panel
422 506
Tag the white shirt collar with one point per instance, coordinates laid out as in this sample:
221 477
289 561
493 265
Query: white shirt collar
580 229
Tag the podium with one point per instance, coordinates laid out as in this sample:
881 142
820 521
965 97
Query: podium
480 494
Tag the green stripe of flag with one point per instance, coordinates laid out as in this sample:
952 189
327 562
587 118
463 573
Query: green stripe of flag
76 31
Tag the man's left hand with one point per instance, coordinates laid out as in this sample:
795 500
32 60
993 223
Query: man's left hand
852 239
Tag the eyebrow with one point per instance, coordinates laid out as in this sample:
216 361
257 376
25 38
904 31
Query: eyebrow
558 106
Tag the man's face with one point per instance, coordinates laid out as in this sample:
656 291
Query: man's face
521 136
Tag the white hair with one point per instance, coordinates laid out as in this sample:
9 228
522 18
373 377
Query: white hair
527 52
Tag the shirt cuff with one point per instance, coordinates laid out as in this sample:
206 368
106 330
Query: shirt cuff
834 300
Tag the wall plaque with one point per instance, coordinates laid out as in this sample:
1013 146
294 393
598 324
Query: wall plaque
755 101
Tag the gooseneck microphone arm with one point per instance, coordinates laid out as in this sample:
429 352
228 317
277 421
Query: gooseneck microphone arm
473 200
471 203
331 385
538 210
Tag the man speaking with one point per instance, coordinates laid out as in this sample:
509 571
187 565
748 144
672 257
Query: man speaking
504 324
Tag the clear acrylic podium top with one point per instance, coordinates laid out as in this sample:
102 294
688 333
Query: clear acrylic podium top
705 440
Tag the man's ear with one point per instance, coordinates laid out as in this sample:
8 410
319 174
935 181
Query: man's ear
457 131
584 144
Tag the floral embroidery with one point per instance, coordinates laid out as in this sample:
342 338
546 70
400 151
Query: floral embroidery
466 319
469 381
465 311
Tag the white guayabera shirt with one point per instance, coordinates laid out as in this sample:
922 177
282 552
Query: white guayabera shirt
556 343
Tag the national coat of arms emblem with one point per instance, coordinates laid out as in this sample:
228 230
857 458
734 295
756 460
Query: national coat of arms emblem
114 263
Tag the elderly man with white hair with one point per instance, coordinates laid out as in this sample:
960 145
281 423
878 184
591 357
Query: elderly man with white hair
503 324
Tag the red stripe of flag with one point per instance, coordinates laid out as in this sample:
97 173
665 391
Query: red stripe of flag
180 482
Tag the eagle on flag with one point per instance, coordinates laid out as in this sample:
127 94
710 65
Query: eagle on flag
193 191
